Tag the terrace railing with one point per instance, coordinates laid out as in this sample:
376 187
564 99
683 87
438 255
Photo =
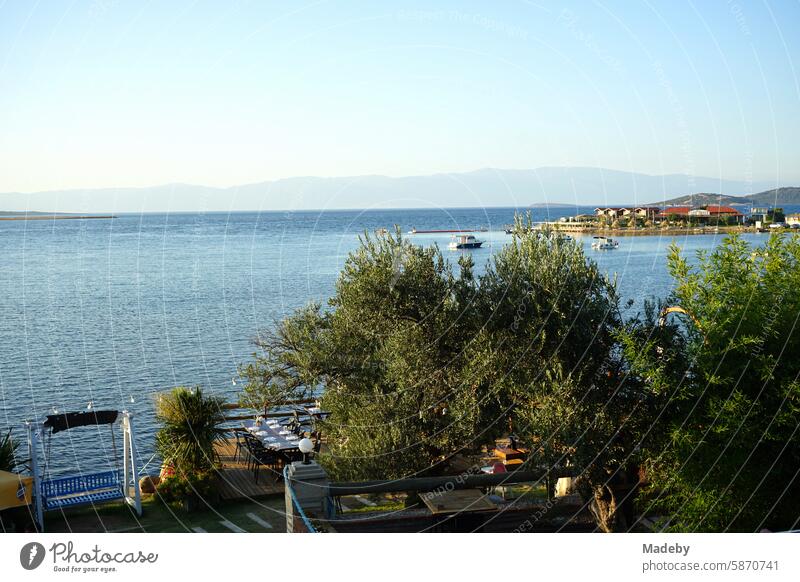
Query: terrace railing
247 413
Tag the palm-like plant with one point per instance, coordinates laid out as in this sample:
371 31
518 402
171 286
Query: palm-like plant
8 453
190 426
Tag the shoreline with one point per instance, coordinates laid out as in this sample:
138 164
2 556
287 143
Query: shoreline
652 231
56 217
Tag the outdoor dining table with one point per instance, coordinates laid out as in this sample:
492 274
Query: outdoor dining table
316 412
273 436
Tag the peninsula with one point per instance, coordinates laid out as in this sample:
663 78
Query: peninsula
50 216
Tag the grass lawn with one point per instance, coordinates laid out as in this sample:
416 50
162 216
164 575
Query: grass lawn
254 515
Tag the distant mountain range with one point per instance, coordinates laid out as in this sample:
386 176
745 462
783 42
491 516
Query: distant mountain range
774 197
566 186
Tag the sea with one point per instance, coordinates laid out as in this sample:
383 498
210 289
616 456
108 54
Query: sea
108 313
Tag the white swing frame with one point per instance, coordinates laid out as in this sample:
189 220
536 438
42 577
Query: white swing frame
130 472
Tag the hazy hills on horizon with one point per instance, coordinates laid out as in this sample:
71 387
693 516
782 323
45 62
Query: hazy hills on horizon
773 197
564 186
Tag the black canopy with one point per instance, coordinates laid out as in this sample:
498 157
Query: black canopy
68 420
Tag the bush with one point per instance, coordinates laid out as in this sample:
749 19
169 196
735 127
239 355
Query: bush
177 489
8 453
190 426
729 454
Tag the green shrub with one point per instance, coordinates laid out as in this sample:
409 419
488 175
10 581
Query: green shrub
190 427
176 489
9 460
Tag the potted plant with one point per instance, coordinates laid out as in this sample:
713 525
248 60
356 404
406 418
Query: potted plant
191 424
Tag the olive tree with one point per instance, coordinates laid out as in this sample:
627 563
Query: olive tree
549 349
389 351
287 363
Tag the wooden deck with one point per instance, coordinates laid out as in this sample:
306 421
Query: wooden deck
238 481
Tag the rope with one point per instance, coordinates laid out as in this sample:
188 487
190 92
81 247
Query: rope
306 521
147 463
47 448
114 447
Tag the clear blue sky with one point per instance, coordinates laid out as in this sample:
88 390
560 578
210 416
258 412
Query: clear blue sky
116 93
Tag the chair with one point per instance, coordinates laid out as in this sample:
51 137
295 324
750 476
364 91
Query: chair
301 427
251 444
261 456
239 433
512 442
269 459
292 455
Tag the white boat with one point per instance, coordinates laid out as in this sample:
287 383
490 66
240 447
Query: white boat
603 243
465 241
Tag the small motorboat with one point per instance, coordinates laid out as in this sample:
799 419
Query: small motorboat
603 243
465 241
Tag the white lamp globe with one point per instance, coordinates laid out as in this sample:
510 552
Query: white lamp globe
305 446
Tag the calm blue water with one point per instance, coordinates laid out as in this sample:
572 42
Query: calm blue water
113 311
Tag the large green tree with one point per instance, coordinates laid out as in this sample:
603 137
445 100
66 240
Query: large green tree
288 363
729 453
389 351
549 350
419 363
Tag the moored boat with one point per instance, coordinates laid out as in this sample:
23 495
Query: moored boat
604 243
465 241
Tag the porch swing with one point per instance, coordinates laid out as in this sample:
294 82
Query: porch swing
87 488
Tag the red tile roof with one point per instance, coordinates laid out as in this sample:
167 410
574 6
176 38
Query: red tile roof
713 209
679 210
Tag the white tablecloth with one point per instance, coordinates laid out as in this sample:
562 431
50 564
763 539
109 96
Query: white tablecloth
273 436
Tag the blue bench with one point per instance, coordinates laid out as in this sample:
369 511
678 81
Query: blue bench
90 488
